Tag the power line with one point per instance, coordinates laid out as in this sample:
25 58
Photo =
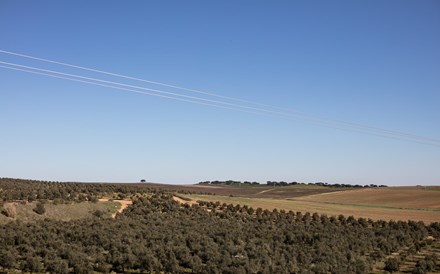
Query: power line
212 105
236 107
137 87
217 103
291 112
296 113
159 83
132 78
115 87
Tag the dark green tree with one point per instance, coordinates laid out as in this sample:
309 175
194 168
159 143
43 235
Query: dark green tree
392 265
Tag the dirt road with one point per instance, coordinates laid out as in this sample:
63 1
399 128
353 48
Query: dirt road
124 204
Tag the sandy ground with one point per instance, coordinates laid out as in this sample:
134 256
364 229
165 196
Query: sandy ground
177 199
124 204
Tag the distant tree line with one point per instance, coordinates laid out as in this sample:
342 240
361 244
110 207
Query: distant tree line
12 189
283 183
228 182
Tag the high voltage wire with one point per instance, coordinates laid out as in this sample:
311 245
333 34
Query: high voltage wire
115 87
17 67
405 138
193 98
309 117
169 95
305 116
159 95
132 78
219 106
342 125
142 88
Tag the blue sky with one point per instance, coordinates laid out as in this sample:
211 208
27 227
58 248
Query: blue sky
375 63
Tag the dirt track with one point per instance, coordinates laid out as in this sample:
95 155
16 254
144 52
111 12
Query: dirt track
124 204
264 191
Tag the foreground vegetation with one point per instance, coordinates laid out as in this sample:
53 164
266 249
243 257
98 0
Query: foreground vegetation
156 233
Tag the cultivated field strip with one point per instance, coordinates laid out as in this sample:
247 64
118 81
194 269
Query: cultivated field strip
303 204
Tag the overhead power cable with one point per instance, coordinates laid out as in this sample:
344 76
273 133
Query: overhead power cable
132 78
216 103
296 113
115 87
35 71
213 105
169 95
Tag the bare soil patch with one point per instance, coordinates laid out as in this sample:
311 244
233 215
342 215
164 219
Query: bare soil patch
63 212
181 201
123 205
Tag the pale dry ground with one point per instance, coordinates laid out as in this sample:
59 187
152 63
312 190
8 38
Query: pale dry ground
264 191
177 199
123 205
63 212
426 210
394 197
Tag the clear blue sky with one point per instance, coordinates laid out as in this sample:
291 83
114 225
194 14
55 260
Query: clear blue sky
369 62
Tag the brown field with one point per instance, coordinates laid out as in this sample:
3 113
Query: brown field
260 191
393 197
394 203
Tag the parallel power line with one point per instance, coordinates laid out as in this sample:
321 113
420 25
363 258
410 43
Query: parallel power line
244 106
77 78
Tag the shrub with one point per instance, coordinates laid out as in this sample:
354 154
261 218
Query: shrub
39 208
392 265
98 213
